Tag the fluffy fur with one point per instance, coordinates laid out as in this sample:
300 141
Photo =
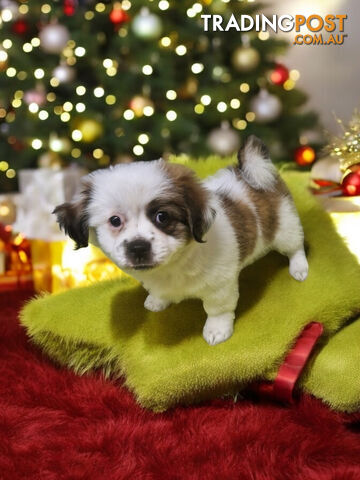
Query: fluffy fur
185 239
55 425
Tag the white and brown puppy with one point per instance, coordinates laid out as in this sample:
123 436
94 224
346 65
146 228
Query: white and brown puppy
182 238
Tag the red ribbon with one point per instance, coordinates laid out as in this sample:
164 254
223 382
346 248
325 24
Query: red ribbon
282 389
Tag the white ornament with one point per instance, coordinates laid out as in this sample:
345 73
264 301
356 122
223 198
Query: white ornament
223 140
327 168
267 107
53 38
147 25
64 73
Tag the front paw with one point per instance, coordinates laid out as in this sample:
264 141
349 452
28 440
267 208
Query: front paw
218 329
155 304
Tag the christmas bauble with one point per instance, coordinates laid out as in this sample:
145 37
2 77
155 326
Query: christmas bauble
20 27
304 155
118 15
189 89
64 73
351 183
36 95
223 140
279 75
245 59
138 103
146 25
267 107
90 129
53 38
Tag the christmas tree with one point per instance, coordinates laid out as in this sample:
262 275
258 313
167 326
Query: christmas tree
99 83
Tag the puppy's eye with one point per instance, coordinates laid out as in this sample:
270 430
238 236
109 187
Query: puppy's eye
115 221
162 218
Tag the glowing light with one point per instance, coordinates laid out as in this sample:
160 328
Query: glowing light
197 68
80 107
108 63
2 113
65 117
3 56
171 115
164 4
7 43
35 42
205 99
54 82
143 138
80 51
4 166
46 8
6 15
99 92
126 4
100 7
23 9
250 116
197 7
199 108
138 150
180 50
221 107
263 35
234 103
80 90
76 135
43 115
98 153
190 12
56 144
16 103
36 144
11 173
244 87
129 114
148 111
147 70
27 47
39 73
33 107
11 72
110 99
165 42
289 84
239 124
51 97
89 15
111 72
75 152
171 94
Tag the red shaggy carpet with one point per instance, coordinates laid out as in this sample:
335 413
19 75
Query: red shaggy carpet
56 425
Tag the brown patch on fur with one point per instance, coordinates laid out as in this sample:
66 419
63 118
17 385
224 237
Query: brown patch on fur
243 222
73 217
177 224
187 191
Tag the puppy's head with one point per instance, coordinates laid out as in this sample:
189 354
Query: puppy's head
142 212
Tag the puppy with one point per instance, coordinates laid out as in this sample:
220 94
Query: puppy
182 238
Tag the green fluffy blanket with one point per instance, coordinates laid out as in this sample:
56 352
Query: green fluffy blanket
165 360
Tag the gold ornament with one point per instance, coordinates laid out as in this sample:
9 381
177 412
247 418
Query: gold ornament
347 147
90 129
245 59
138 103
189 89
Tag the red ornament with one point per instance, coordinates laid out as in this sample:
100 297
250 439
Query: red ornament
20 27
69 7
351 184
304 155
118 16
279 75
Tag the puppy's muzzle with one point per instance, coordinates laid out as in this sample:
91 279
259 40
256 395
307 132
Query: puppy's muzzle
139 253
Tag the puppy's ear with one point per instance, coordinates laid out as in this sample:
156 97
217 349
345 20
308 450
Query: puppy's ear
196 199
72 217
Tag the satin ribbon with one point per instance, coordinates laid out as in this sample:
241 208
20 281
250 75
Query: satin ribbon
282 389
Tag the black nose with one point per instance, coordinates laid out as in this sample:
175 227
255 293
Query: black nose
138 250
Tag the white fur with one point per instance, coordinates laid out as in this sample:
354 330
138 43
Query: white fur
258 171
209 270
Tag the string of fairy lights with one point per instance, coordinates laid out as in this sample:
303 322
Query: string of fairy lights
42 101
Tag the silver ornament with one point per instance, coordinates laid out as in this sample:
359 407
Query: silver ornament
64 73
146 25
53 38
245 59
267 107
223 140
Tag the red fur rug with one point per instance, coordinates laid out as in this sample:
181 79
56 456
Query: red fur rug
56 425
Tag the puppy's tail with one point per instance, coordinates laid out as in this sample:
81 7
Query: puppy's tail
255 164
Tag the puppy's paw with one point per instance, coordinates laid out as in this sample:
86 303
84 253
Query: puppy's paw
218 329
299 267
155 304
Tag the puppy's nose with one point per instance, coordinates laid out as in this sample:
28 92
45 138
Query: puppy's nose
138 249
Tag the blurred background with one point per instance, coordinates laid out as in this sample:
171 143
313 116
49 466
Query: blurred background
85 84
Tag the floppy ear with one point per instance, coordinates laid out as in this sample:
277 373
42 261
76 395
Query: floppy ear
200 213
72 217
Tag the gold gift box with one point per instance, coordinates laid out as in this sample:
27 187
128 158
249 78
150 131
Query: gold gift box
58 267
